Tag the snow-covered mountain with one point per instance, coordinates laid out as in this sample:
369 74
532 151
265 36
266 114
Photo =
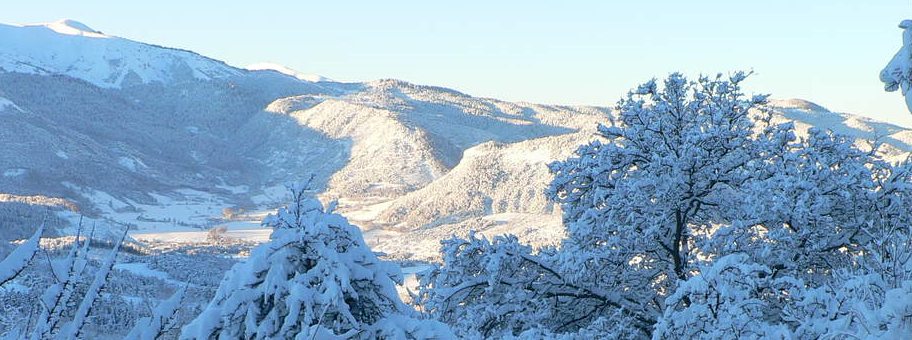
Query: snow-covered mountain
270 66
70 48
897 140
131 134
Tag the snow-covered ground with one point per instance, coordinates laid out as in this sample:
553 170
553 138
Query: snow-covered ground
142 269
253 235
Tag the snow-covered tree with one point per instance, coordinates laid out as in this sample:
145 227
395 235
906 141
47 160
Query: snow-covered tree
55 302
73 329
871 299
693 216
638 202
56 317
897 75
500 288
814 203
314 279
12 266
161 321
732 299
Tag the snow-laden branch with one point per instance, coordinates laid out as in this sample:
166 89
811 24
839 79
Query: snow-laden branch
19 259
73 329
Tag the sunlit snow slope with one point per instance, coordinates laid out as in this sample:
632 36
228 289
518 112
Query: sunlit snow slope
158 139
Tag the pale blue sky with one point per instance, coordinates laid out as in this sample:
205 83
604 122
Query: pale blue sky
565 52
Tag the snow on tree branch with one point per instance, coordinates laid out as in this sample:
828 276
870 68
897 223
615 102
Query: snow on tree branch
694 216
16 262
74 328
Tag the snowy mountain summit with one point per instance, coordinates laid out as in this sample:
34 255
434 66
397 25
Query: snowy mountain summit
72 27
270 66
71 48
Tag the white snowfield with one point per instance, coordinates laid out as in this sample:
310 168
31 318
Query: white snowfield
270 66
409 164
71 48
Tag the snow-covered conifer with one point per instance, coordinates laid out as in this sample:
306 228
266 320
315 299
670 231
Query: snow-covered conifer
55 299
314 279
153 327
73 329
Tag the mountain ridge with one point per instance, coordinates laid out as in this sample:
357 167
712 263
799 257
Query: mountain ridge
409 163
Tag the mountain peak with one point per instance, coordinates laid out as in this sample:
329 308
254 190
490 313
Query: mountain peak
71 48
72 27
270 66
796 103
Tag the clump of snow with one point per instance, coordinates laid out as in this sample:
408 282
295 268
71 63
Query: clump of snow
896 74
127 163
131 163
269 66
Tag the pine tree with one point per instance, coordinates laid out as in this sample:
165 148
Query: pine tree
314 279
153 327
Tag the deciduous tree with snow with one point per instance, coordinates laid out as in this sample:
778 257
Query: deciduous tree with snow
640 202
497 288
693 216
